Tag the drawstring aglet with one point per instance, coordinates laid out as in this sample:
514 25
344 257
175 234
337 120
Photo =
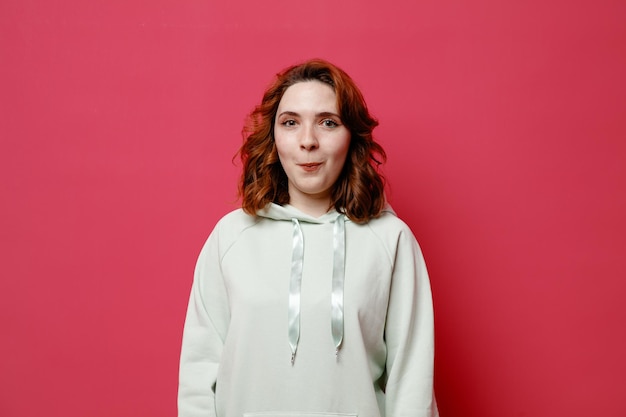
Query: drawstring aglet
293 358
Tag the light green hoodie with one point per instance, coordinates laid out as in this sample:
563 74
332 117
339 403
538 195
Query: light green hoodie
283 323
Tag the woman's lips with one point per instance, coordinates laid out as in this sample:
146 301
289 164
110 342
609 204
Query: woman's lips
310 167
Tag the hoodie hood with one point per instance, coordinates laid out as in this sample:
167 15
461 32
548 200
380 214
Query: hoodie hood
289 213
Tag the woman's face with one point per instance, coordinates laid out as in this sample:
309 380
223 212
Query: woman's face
311 141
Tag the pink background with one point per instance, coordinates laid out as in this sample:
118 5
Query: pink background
506 133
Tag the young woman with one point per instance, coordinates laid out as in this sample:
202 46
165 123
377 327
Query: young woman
313 299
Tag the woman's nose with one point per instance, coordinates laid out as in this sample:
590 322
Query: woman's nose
308 139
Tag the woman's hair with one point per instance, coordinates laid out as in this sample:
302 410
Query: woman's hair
359 190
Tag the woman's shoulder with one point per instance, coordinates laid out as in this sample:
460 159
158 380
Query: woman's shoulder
391 230
235 221
229 228
388 222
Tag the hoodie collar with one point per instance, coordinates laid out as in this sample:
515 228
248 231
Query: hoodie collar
288 212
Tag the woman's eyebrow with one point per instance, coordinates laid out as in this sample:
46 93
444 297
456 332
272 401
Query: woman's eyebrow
327 114
320 114
288 113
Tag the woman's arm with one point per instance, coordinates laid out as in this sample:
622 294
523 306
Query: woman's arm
205 329
409 335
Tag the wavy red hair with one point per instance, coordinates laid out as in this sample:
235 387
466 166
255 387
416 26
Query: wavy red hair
359 190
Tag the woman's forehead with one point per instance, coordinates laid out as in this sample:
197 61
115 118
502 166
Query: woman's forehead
308 96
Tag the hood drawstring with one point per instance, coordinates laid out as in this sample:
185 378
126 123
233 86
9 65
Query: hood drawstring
295 285
339 260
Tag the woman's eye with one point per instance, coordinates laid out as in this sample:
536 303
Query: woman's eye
329 123
289 123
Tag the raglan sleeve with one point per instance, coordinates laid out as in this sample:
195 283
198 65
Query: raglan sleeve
409 335
205 329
